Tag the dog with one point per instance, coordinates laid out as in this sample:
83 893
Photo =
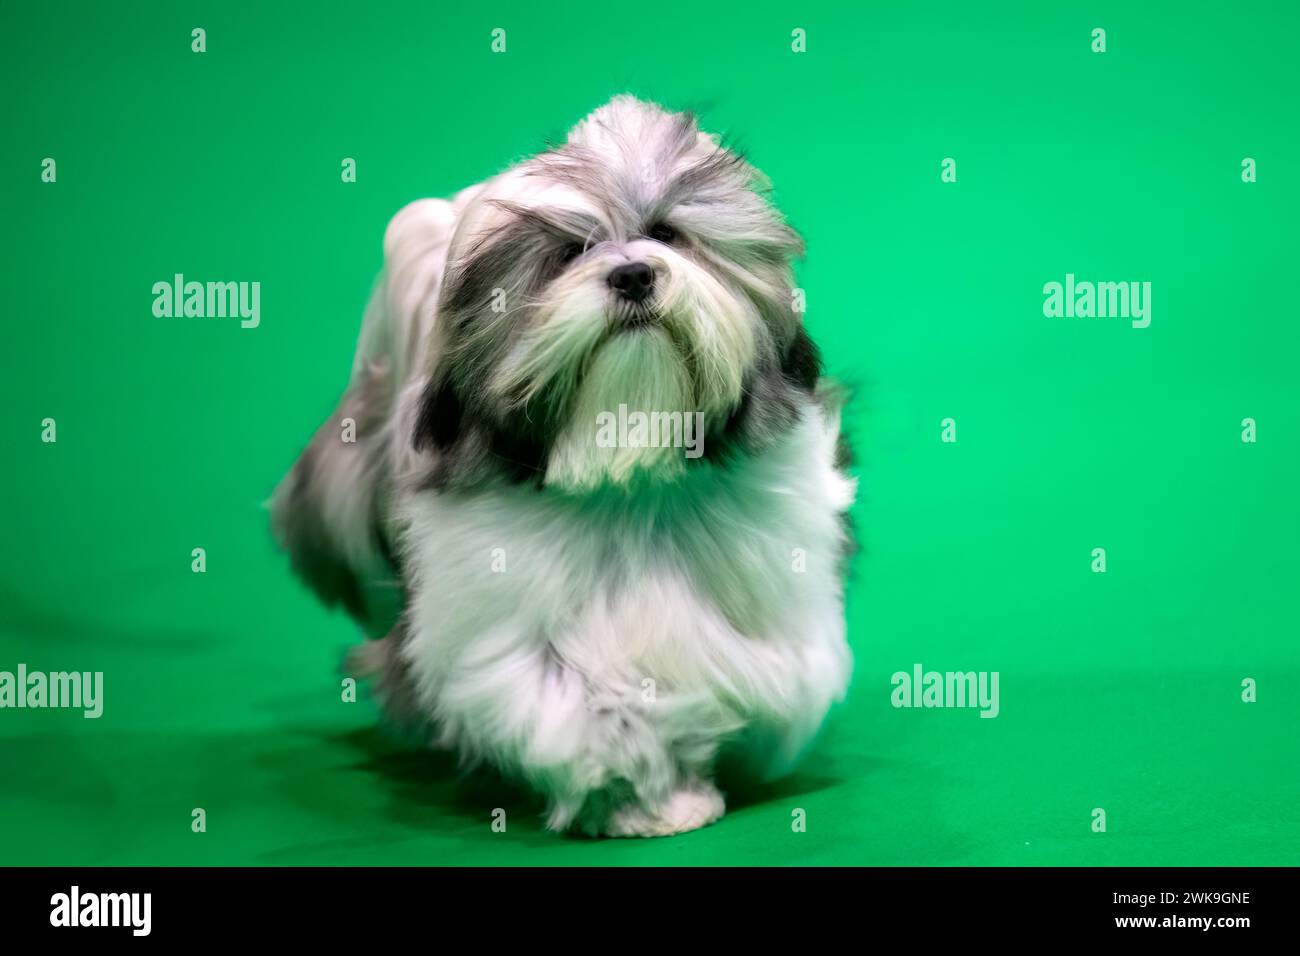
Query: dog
604 617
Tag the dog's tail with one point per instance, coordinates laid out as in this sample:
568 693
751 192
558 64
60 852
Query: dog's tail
331 512
327 513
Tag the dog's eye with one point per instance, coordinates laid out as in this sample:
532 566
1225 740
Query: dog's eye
561 258
662 232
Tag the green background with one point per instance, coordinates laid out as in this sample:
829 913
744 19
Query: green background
1119 690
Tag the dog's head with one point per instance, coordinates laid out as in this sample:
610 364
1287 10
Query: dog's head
639 265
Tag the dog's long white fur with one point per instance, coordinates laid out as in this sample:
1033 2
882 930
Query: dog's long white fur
606 642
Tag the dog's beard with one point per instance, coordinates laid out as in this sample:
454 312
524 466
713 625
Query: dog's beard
643 371
685 351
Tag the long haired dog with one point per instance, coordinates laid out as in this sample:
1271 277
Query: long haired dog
585 433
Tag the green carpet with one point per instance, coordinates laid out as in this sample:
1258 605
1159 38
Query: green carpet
1119 690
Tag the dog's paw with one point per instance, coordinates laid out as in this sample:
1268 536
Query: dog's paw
687 809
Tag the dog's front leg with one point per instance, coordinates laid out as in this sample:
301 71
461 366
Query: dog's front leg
608 762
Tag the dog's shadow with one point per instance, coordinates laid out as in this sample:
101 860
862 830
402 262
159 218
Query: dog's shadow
743 790
426 785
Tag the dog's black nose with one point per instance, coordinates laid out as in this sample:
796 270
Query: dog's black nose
632 280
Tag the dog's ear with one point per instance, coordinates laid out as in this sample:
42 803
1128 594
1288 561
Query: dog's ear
439 421
802 362
770 401
443 422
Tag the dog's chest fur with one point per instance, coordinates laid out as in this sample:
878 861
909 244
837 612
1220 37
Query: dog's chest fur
715 598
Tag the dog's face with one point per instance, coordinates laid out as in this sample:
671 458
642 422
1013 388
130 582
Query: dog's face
636 265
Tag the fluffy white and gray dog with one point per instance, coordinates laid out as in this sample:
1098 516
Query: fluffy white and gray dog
604 619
